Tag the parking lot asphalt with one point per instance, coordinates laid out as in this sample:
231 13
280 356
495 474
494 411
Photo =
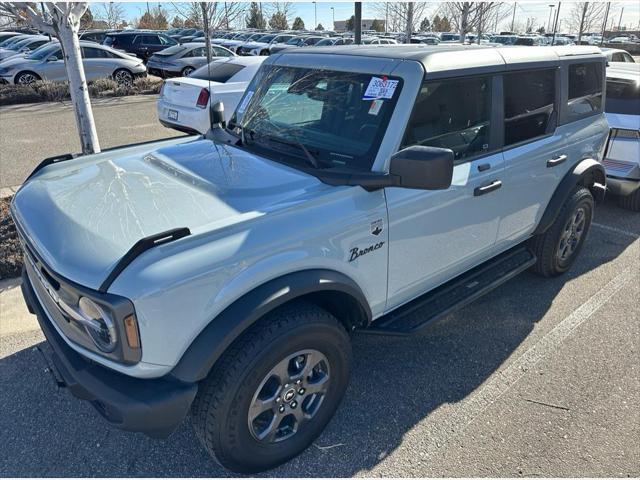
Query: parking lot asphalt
539 378
30 133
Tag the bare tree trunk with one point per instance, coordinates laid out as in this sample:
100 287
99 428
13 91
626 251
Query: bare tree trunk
584 12
409 26
464 19
67 31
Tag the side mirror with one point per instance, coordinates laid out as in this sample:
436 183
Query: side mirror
52 58
216 114
425 168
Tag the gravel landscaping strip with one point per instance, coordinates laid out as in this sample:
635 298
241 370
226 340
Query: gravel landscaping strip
10 251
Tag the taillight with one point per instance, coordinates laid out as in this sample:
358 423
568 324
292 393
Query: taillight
162 88
203 98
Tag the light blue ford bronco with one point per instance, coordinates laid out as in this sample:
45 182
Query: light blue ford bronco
223 274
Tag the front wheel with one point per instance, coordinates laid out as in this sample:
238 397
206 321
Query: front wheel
558 247
124 78
186 71
275 389
26 78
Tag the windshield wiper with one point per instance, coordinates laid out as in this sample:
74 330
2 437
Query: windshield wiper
297 143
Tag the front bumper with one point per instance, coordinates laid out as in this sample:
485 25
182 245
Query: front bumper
154 407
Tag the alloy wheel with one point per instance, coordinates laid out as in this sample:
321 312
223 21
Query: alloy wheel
289 396
571 235
123 78
27 79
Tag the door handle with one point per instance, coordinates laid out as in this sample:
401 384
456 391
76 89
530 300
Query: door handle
489 187
554 162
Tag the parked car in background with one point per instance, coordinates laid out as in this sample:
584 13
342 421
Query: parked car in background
47 64
449 37
234 43
531 41
199 35
181 60
616 55
262 44
140 44
504 39
377 41
95 35
184 32
184 102
301 41
24 46
427 40
622 158
7 35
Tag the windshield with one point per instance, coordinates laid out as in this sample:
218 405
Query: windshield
294 41
18 45
265 38
11 41
325 42
623 97
45 51
336 118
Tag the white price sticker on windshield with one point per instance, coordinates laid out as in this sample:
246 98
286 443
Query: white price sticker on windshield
380 87
245 101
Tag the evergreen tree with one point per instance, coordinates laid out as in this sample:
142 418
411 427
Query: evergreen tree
255 19
350 25
177 22
278 21
298 24
425 26
377 25
319 28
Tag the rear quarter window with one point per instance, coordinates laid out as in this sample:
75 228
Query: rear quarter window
585 90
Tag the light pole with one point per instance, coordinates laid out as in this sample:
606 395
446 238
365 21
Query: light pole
550 14
333 15
620 21
315 15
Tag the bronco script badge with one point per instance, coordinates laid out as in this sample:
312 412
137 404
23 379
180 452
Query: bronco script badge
356 252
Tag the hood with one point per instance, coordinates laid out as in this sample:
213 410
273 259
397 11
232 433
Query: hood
9 53
253 45
82 216
16 60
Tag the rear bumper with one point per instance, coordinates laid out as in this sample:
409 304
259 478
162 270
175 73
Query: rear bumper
154 407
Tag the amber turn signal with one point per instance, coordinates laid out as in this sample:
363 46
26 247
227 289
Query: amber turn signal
131 330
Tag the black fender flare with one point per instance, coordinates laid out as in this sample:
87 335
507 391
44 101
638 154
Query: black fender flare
587 172
226 327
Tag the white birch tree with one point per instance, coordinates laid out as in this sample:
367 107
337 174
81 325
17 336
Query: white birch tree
63 21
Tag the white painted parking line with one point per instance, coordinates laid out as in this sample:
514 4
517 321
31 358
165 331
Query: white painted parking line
616 230
476 403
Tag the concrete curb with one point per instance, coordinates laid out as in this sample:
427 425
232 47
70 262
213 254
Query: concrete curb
8 191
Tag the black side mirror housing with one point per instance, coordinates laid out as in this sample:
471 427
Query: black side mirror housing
216 114
425 168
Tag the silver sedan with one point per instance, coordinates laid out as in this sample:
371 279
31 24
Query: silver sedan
46 63
181 60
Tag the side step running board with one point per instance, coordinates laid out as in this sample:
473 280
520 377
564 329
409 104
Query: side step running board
419 313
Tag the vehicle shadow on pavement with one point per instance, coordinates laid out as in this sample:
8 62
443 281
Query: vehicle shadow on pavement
396 383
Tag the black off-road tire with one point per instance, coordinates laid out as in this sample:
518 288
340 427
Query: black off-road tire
630 202
546 246
221 408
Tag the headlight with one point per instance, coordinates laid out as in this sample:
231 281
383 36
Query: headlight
98 324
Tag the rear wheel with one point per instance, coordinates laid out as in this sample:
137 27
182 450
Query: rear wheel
27 78
631 201
274 390
264 53
123 77
558 247
186 71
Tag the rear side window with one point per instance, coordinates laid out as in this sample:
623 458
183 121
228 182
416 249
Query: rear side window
623 97
585 90
151 40
217 72
529 104
452 114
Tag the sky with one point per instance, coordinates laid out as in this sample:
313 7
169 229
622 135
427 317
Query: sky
322 10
